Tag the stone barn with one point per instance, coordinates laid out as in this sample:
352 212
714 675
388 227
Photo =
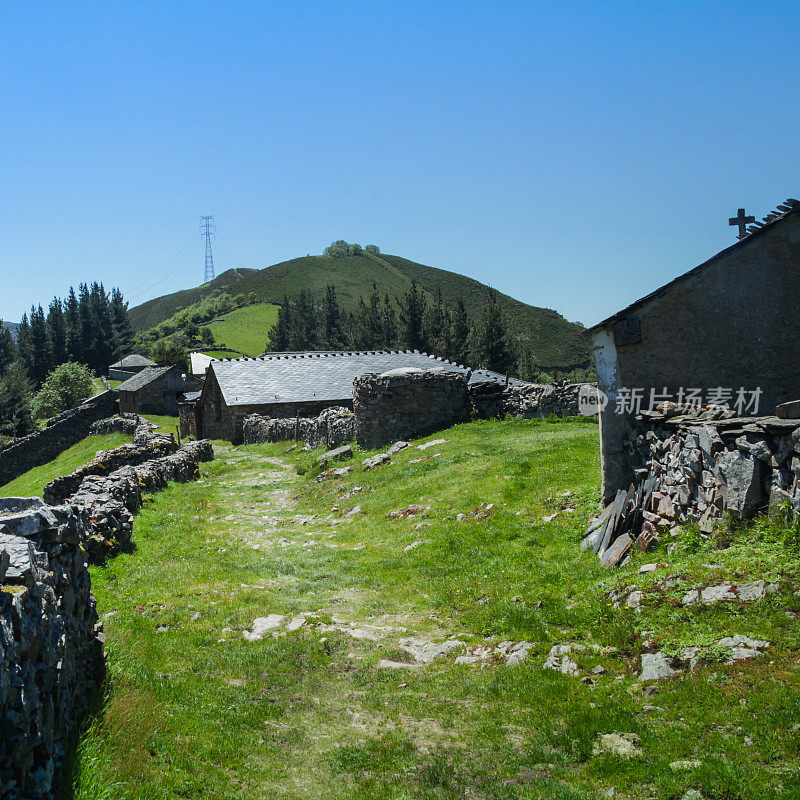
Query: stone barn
155 390
725 334
129 366
297 384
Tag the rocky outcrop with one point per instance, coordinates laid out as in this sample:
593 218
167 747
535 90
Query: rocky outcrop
129 424
51 643
332 428
60 433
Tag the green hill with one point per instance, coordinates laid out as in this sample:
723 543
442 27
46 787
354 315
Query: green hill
245 329
556 343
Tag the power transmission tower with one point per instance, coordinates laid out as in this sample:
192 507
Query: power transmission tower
207 229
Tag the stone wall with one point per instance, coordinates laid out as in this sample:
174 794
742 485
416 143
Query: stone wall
699 467
51 643
332 428
109 488
60 433
529 401
405 403
128 424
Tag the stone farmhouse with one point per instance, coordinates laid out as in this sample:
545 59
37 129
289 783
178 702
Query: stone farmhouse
155 390
129 366
297 384
724 334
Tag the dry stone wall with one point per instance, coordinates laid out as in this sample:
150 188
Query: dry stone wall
405 403
60 433
332 428
51 642
698 467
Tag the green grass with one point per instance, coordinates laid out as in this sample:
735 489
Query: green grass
33 482
166 424
558 343
194 710
245 329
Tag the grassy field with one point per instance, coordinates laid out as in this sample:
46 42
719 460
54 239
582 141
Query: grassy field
31 483
194 709
246 329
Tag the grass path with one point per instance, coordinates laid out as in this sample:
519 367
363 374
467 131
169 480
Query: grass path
312 709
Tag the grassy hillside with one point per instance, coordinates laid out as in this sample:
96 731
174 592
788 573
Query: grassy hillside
154 311
482 548
245 329
557 343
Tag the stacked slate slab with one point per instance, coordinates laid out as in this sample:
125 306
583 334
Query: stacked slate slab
698 466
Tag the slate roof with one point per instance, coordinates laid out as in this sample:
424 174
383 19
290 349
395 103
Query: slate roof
133 360
199 363
786 209
326 376
141 379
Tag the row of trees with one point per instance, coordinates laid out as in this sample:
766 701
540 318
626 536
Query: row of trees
90 327
410 322
342 249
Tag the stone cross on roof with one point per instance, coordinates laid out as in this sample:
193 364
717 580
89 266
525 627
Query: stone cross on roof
742 221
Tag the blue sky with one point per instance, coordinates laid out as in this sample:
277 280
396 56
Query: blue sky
574 155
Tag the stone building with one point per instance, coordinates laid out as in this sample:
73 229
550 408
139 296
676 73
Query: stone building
297 384
129 366
726 333
155 390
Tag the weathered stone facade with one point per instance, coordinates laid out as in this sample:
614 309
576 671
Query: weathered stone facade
732 322
155 390
61 432
405 403
51 643
332 428
699 467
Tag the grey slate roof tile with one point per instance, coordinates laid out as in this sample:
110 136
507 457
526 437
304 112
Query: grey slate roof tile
326 376
141 379
133 360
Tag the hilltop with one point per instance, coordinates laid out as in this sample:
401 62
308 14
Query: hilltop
557 343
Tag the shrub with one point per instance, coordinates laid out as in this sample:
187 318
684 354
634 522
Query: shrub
63 388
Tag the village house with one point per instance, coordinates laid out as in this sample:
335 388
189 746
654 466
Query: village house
295 384
725 333
155 390
129 366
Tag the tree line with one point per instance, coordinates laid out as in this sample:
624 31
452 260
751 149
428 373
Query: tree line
411 322
90 327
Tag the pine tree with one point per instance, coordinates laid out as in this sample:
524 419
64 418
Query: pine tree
85 325
15 402
121 325
492 350
459 334
436 326
388 324
370 329
41 354
7 349
333 335
72 320
278 341
24 350
102 326
57 330
412 312
305 330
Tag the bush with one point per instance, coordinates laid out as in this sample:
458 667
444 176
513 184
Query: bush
63 388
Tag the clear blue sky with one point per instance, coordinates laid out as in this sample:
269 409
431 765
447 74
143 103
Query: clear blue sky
574 155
